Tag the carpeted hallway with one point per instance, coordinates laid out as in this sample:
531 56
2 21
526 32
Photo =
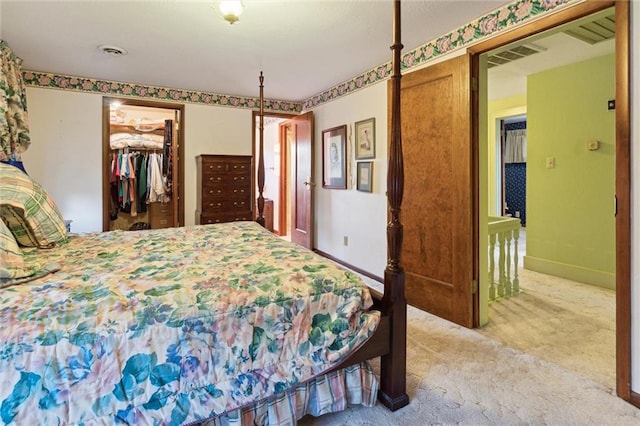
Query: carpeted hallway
568 323
561 321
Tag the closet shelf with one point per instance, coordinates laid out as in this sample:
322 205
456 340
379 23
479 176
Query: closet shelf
141 128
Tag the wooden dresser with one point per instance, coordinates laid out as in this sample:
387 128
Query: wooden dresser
224 188
161 215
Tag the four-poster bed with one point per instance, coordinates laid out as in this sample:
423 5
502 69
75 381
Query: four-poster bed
389 340
192 324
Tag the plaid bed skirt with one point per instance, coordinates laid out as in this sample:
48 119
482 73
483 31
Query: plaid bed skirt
329 393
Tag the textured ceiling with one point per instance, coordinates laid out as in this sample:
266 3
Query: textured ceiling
303 47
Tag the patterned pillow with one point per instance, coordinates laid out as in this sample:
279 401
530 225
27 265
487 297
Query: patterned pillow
29 211
11 261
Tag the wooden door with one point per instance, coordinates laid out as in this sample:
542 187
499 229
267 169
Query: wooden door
438 207
302 180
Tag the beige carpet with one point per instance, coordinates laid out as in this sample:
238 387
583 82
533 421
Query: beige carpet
547 358
561 321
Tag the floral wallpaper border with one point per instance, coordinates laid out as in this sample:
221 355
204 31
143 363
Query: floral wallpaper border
92 85
505 17
501 19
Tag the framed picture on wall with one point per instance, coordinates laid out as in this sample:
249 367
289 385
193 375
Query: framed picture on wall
334 157
364 176
365 138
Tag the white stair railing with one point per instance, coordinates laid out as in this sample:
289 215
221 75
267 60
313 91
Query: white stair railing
503 234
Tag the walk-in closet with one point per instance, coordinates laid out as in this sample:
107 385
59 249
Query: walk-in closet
143 175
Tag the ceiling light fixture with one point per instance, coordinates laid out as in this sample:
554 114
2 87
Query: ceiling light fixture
231 10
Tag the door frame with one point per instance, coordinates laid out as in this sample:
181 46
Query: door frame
106 166
284 152
500 181
622 161
283 196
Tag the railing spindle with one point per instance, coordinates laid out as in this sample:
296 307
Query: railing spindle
503 231
516 281
507 283
492 266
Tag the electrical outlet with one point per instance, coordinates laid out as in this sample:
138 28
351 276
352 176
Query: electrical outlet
551 162
345 240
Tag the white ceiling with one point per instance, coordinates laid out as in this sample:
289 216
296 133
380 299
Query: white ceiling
561 49
303 47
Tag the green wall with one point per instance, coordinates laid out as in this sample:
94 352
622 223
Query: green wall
570 210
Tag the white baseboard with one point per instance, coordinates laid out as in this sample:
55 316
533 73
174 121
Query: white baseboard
571 272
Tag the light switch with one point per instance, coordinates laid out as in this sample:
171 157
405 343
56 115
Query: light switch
593 145
551 162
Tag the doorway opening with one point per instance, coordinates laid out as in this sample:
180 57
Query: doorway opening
142 163
277 134
563 187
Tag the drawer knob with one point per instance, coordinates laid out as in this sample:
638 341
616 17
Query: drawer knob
215 192
215 178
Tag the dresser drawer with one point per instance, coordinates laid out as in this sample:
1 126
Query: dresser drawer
216 166
230 205
210 167
210 192
210 218
225 178
161 215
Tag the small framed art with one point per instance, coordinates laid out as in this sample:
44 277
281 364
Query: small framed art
364 176
365 138
334 157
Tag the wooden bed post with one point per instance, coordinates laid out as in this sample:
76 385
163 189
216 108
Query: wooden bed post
393 367
260 215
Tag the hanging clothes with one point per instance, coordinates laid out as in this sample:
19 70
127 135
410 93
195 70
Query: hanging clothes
141 179
157 192
132 184
167 165
114 197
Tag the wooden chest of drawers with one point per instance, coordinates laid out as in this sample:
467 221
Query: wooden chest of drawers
161 215
224 188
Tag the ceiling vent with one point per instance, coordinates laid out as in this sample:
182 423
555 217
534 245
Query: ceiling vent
513 54
595 31
112 50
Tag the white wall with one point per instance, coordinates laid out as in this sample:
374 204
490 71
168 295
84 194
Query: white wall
211 130
635 195
65 155
361 216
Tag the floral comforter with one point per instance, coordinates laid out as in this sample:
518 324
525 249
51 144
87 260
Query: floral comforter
171 326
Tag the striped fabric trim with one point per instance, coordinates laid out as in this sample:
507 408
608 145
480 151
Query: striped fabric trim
330 393
29 211
13 268
11 260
